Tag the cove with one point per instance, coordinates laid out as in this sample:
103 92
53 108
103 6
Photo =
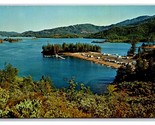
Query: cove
26 56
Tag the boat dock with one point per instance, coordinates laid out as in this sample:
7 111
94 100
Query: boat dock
58 56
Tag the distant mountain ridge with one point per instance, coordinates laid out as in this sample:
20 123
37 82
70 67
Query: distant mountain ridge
129 22
78 30
134 21
141 28
4 33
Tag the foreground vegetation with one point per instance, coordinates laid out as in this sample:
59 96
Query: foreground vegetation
25 98
52 49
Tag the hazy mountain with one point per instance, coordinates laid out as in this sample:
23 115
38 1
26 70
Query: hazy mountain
4 33
83 30
79 30
134 21
72 30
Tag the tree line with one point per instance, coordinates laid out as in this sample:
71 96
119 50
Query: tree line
52 49
144 69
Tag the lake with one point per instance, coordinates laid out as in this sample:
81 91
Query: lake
27 57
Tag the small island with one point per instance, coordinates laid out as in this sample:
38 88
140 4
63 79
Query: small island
54 49
11 40
96 41
86 52
1 41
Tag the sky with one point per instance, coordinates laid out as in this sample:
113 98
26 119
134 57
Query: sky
35 18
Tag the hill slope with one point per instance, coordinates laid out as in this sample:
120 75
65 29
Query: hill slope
82 30
4 33
134 21
141 30
78 30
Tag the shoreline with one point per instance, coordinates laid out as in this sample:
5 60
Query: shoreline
94 57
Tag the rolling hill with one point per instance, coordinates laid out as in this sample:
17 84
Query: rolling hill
83 30
78 30
141 28
120 30
4 33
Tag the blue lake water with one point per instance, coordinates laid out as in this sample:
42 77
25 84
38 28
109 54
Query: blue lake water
26 56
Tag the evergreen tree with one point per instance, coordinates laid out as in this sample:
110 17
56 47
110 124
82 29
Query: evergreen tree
132 50
52 49
139 53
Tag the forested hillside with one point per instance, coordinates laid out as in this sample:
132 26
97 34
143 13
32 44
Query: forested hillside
79 30
121 31
143 31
